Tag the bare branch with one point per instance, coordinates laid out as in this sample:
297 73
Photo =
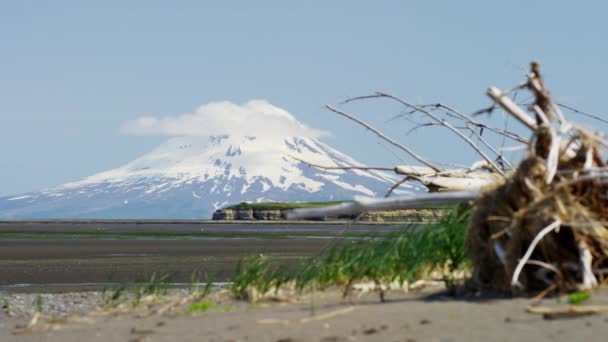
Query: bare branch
396 185
431 107
384 137
459 115
446 124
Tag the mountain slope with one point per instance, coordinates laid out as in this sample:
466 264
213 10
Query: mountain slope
190 177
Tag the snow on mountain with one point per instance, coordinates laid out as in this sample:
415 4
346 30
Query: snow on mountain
189 177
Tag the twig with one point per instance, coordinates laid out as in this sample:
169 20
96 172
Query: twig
490 147
427 124
396 185
487 110
544 293
593 116
384 137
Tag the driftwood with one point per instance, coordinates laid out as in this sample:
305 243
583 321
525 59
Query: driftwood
543 223
449 180
361 204
567 312
555 191
434 181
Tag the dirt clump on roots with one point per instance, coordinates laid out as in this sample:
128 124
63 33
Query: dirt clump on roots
546 224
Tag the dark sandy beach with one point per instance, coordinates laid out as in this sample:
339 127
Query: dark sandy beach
325 316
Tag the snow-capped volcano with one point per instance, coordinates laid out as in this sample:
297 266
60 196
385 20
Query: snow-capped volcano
189 177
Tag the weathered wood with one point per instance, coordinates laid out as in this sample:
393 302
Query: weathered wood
507 104
362 204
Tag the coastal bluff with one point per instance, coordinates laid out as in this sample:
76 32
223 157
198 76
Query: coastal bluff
274 212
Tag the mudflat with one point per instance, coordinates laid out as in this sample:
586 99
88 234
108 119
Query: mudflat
69 264
69 255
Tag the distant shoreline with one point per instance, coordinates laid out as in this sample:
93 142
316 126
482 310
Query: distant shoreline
4 223
36 229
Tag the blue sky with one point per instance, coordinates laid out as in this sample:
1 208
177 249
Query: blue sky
73 72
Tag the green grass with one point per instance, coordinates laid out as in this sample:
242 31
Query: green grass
6 306
155 286
38 303
198 290
402 256
110 299
201 307
579 297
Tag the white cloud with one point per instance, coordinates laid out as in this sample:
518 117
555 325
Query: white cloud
256 118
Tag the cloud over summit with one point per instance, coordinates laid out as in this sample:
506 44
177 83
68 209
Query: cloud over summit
255 118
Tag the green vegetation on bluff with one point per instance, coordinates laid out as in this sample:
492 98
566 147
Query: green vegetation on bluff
295 205
282 205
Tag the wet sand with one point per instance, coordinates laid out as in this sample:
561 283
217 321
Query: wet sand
71 255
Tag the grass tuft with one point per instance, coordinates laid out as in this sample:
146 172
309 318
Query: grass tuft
38 303
402 256
6 306
201 307
579 297
111 299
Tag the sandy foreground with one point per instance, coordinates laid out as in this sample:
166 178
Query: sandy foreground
426 315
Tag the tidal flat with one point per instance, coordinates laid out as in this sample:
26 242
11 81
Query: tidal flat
57 256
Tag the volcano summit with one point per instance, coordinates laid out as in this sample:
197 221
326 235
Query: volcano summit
200 169
190 177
